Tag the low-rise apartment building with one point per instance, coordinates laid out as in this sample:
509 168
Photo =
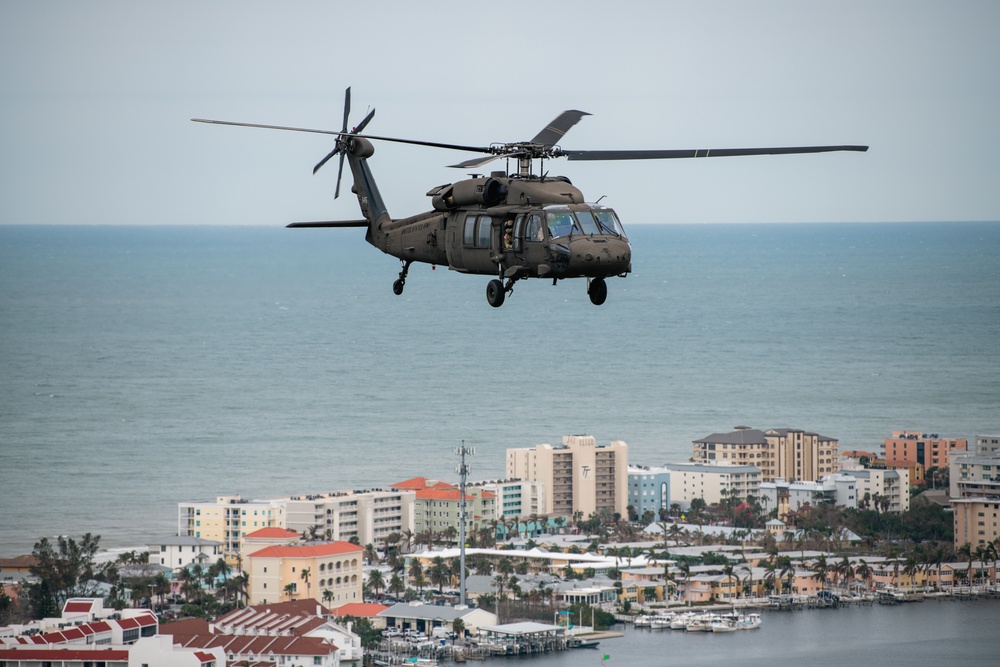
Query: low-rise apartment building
882 490
840 489
648 489
977 521
712 483
438 507
369 515
329 573
974 477
182 551
226 520
515 498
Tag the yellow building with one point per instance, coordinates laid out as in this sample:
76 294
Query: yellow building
785 453
329 573
226 520
977 520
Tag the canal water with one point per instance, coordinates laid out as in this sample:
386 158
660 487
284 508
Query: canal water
934 632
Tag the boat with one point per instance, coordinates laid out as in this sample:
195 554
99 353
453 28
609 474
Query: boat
749 622
661 621
581 643
642 621
681 621
725 625
702 623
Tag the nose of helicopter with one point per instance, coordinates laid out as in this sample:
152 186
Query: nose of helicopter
599 256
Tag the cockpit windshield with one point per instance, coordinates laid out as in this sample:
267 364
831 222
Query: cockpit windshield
564 222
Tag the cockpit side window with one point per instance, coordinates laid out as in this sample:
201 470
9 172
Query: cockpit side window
561 223
533 230
609 223
518 233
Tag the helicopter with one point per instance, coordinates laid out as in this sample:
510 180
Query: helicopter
511 226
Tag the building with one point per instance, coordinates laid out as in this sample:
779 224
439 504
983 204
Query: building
977 521
648 489
84 622
329 572
882 490
974 476
785 453
183 551
515 498
713 483
420 617
370 515
579 475
259 650
840 489
987 445
301 618
927 449
438 507
226 520
147 652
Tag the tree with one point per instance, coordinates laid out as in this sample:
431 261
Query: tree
396 586
62 573
821 571
376 581
458 626
370 554
305 575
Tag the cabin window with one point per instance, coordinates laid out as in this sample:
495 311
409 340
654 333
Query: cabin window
518 233
485 227
469 237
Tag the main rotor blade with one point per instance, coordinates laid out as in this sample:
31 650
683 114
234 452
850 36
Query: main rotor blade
475 162
703 152
555 130
432 144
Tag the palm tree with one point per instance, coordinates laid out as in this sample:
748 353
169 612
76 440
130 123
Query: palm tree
864 572
822 570
396 586
370 553
289 590
328 597
911 567
305 575
438 573
376 582
966 553
406 539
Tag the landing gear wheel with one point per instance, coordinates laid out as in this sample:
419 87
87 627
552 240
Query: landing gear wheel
598 291
397 287
495 293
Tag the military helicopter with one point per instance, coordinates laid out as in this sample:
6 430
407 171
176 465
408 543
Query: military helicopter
508 225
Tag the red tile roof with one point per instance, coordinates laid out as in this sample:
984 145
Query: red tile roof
308 550
61 654
204 657
272 533
361 609
77 607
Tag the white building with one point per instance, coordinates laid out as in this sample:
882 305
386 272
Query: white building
892 485
710 482
840 489
182 551
370 515
974 476
147 652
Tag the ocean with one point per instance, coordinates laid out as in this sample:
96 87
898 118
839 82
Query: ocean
145 366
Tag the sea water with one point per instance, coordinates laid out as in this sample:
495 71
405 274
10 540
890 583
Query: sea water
145 366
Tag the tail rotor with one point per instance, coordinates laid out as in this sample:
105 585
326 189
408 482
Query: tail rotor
344 140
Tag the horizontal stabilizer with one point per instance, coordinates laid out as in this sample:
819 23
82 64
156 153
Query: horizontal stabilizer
329 223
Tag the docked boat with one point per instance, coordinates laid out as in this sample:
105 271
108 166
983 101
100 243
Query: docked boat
661 621
681 621
642 621
581 643
725 625
749 622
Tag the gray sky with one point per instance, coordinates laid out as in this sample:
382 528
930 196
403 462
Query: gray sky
96 97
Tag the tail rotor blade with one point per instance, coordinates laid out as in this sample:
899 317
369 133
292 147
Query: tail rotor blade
347 107
327 159
340 172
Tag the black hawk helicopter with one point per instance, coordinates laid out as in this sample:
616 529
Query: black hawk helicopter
511 226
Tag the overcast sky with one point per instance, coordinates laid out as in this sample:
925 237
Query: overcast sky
96 97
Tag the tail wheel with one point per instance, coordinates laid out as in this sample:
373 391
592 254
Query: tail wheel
495 293
598 291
